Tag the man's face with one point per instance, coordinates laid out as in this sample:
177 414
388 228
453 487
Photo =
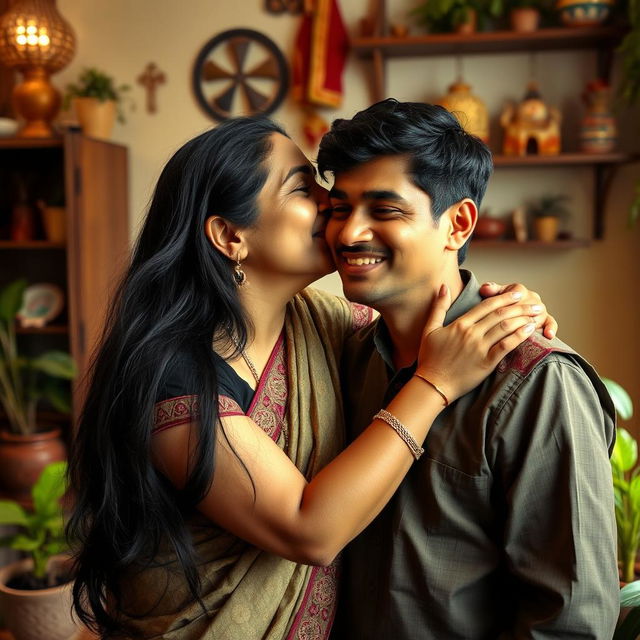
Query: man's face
387 248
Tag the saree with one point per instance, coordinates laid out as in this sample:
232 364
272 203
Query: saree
249 594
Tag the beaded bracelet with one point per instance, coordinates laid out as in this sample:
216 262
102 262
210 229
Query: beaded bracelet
401 430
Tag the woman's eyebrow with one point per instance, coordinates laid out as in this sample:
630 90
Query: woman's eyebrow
302 168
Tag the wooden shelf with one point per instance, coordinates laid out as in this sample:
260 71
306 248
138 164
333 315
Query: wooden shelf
31 244
52 329
437 44
563 160
30 143
530 244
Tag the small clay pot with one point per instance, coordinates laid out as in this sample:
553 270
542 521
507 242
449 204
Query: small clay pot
468 26
546 228
489 228
524 19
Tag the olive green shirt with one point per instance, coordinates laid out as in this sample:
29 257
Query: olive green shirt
505 527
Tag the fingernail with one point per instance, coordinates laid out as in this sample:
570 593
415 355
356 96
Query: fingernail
516 295
552 333
536 308
489 284
529 328
443 290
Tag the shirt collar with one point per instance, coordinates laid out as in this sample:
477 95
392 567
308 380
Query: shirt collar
469 297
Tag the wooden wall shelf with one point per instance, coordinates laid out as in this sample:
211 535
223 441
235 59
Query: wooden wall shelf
563 160
30 143
530 244
438 44
31 244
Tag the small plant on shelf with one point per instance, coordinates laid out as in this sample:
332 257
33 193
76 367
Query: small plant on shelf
442 16
94 83
25 381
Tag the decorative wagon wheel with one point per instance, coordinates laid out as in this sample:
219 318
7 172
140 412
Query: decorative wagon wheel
240 65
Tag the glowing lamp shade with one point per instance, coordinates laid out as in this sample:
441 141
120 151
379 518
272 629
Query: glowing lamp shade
37 41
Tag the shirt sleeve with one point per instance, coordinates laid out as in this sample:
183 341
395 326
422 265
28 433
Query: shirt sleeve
551 458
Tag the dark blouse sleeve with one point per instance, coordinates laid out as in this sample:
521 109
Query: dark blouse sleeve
176 402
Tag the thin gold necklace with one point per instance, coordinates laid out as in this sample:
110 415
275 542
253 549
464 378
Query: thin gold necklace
247 359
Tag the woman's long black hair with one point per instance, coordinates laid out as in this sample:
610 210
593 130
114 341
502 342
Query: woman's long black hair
178 292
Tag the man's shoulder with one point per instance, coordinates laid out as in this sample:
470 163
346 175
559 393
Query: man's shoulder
535 350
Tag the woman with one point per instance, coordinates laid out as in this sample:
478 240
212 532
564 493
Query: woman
206 463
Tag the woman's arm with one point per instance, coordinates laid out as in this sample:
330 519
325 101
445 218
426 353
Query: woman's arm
311 521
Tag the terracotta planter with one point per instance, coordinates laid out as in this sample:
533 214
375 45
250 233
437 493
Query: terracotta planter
22 459
524 19
54 220
36 615
546 228
96 118
469 26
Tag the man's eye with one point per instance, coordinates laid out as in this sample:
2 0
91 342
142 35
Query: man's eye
384 210
339 211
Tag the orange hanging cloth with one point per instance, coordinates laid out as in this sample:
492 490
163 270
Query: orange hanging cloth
321 50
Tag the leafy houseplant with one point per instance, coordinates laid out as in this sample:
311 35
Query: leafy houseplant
441 16
42 531
93 83
626 484
24 381
546 212
36 592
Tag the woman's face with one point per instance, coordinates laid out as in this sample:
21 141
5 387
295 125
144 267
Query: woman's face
288 237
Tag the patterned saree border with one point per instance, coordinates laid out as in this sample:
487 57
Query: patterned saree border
174 411
315 617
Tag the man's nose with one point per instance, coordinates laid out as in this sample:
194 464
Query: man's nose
355 228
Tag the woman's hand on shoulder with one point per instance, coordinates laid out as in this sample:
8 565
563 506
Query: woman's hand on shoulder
543 319
459 356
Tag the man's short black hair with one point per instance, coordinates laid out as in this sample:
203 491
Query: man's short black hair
446 162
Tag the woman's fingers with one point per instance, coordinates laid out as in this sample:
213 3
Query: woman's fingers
439 308
499 350
506 328
549 327
489 305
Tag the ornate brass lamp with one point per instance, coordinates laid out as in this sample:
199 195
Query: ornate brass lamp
37 41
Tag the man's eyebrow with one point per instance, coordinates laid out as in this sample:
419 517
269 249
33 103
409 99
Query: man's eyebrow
302 168
375 194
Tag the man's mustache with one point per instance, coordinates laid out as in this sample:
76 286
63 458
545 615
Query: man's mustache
362 248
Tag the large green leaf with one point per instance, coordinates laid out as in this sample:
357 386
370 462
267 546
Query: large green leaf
58 394
57 364
11 300
625 451
634 494
49 488
12 513
22 542
621 399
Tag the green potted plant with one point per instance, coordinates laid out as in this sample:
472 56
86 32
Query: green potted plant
442 16
525 15
626 484
547 212
36 591
97 100
26 445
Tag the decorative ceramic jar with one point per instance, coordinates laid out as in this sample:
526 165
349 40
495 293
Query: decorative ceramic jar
583 13
598 132
471 112
488 228
531 127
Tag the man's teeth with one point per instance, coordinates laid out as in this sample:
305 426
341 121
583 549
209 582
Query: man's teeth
361 261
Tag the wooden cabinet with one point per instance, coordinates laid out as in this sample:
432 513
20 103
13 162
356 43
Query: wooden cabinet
603 39
90 178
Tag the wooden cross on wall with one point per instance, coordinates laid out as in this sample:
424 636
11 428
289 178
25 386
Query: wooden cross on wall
150 78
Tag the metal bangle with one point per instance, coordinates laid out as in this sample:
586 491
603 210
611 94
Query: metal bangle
401 430
435 386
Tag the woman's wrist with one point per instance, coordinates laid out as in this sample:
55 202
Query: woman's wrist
436 387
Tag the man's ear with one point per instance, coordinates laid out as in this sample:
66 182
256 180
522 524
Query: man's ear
462 218
225 237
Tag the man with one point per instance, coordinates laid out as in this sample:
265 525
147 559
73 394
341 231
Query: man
505 527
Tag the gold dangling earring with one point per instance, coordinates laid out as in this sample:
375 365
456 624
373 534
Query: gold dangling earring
239 275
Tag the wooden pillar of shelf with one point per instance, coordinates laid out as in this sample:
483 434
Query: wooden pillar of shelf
7 79
602 177
378 85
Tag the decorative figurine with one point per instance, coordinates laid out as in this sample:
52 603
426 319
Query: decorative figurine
531 127
469 109
598 133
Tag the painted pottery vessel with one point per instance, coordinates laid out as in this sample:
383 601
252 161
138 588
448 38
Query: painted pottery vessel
598 130
582 13
470 111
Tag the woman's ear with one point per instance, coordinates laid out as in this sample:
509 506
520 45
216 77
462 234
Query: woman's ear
462 219
225 237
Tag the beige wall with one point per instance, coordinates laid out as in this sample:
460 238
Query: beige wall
593 292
